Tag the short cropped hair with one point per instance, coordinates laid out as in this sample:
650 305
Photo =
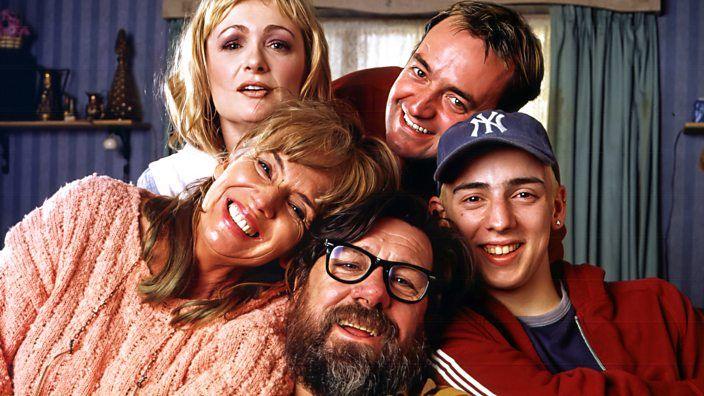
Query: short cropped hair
451 260
506 33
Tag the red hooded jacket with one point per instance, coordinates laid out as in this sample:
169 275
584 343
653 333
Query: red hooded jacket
644 333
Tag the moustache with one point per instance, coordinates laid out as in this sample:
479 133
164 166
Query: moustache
372 320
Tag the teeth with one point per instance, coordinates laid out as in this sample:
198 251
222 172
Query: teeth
254 88
414 125
240 220
499 250
345 323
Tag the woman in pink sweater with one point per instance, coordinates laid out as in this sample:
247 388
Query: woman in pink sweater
107 289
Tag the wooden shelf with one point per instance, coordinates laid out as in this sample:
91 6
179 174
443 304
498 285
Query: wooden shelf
692 128
119 128
78 124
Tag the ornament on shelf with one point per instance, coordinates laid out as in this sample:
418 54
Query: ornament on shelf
94 108
123 102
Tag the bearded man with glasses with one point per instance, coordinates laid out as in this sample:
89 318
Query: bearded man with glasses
370 295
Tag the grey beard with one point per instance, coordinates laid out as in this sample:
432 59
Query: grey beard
348 368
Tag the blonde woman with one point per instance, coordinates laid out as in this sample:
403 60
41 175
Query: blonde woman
235 61
109 289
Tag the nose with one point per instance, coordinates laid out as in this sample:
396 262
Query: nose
500 217
266 200
256 61
422 104
371 292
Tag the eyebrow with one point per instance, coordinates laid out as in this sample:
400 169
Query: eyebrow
422 61
519 181
419 58
239 28
271 28
267 30
303 197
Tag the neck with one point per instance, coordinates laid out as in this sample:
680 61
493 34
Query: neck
232 133
211 271
301 390
537 297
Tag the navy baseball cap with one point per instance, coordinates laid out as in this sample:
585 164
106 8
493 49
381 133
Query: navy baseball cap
492 127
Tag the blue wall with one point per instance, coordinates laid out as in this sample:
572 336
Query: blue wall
80 35
681 33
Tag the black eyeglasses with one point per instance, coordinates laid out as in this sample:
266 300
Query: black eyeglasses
347 263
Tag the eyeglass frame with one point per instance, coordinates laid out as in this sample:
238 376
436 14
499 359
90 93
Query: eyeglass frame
386 265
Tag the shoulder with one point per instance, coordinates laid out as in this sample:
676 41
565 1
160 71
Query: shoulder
650 288
146 181
373 77
170 175
97 185
90 194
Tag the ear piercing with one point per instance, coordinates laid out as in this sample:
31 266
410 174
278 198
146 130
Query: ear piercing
557 223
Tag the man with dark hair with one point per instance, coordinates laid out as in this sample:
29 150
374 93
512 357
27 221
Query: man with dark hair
542 327
364 291
473 56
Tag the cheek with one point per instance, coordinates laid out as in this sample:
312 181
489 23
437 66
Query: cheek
448 118
290 72
409 319
285 236
217 68
467 223
402 87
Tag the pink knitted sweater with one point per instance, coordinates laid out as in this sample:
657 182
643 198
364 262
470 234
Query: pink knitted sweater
69 270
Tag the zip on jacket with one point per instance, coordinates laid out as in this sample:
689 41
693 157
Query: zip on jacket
589 346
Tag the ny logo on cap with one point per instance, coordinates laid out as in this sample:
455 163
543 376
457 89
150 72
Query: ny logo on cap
494 120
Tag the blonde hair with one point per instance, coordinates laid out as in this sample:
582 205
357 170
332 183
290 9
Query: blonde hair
187 90
328 136
315 134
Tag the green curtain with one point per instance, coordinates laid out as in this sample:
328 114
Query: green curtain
604 120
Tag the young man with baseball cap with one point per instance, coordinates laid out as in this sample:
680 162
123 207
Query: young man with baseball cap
539 327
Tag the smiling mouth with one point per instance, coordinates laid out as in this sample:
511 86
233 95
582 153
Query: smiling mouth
413 125
357 328
240 220
501 250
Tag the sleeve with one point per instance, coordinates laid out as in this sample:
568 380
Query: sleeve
480 362
146 181
27 271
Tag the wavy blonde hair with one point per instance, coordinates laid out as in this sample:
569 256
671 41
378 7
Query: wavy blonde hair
186 88
324 136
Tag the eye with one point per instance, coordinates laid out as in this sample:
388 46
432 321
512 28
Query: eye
347 267
231 45
404 284
457 104
525 195
264 167
279 45
472 199
418 71
300 213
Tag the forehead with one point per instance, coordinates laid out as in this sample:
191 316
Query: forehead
395 240
500 165
462 58
252 13
296 177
